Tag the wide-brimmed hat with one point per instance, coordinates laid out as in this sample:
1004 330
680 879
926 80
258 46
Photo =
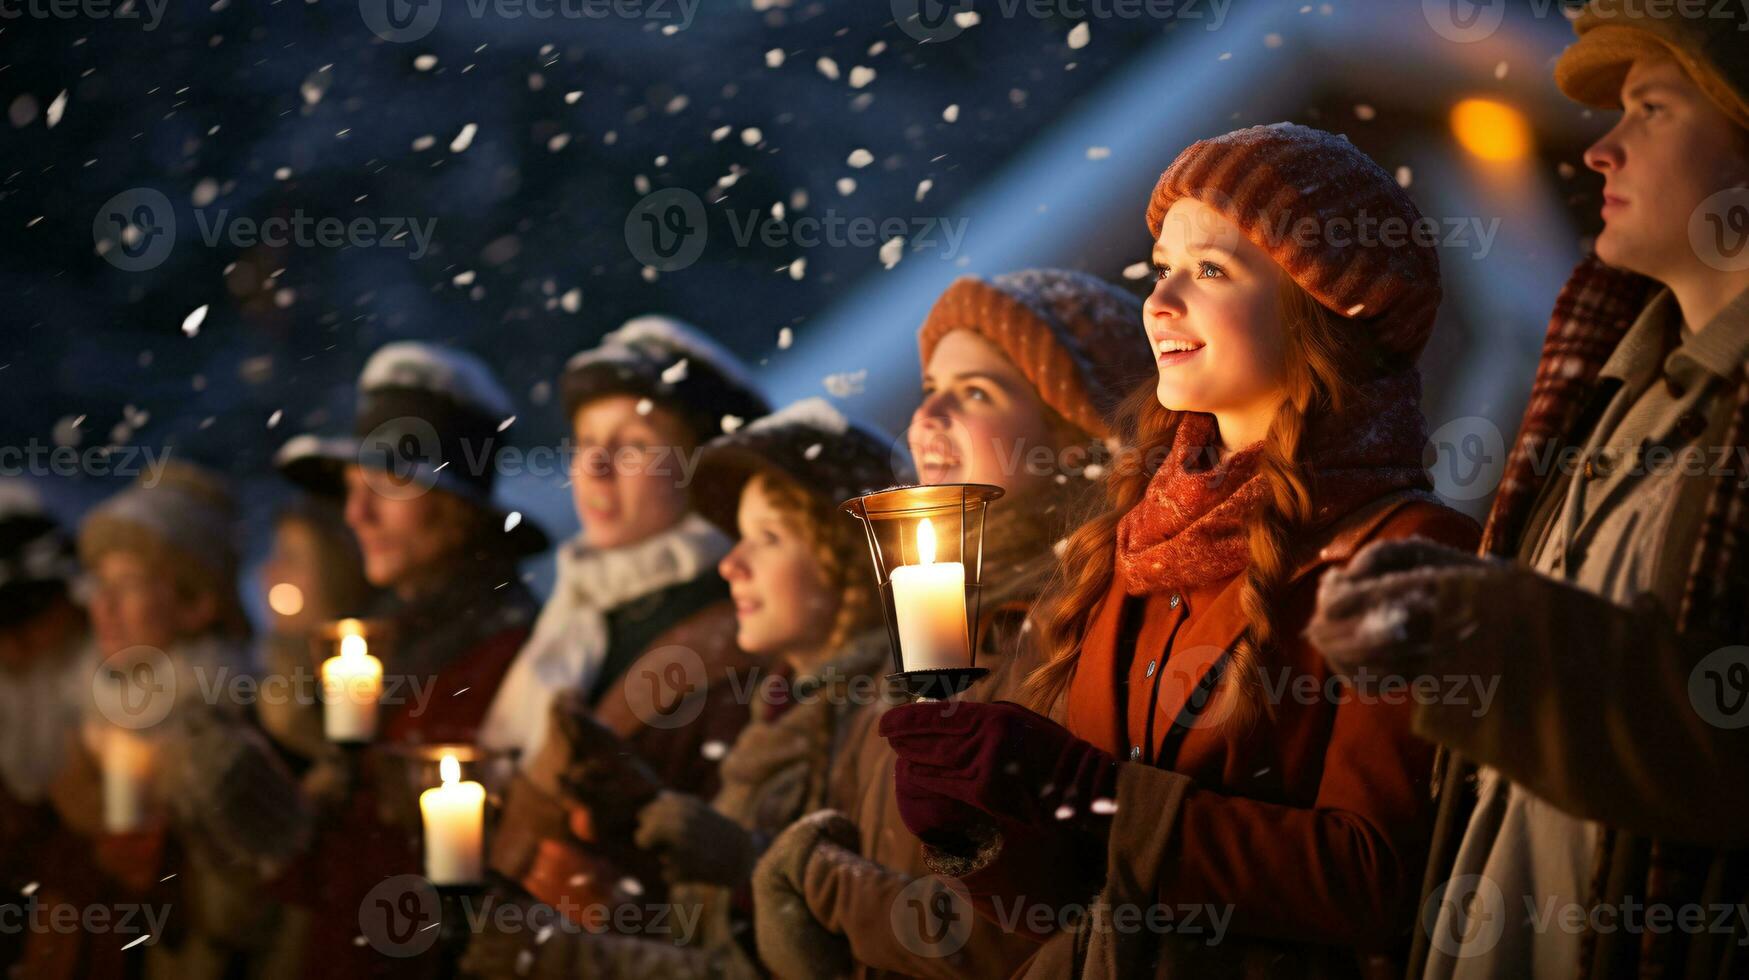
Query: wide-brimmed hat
428 418
675 366
811 443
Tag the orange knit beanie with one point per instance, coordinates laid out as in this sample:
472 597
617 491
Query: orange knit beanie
1328 215
1077 338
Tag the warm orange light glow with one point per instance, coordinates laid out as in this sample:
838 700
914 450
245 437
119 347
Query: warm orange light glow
1491 130
286 599
926 542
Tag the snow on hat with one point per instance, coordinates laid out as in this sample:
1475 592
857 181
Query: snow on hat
1705 39
811 443
36 556
184 510
671 363
1304 196
1077 338
428 417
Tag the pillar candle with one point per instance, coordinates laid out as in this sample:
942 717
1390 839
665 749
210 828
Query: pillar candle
455 822
929 601
352 683
126 763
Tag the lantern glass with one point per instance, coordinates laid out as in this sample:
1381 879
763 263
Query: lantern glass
927 548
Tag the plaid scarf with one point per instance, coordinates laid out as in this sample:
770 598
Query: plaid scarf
1594 310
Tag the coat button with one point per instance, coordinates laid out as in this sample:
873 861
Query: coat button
1135 752
1173 602
1591 470
1151 665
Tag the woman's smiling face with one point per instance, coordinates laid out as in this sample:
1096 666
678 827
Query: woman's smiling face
979 418
1214 322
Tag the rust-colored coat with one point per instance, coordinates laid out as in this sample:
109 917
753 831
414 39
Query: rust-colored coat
1310 824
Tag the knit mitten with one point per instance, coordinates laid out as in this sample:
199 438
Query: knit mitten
793 944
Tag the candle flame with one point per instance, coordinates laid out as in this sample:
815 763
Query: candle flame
351 627
926 542
449 769
352 645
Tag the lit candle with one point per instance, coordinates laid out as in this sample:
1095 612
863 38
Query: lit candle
126 762
351 685
929 600
455 817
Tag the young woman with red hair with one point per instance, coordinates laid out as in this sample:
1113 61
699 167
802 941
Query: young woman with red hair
1208 764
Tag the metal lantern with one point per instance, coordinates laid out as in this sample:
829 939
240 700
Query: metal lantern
927 544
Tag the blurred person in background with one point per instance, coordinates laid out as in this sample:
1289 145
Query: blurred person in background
416 481
45 658
213 812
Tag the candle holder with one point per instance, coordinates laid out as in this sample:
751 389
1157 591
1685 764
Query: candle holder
927 545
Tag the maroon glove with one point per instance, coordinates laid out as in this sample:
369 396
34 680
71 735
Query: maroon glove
965 765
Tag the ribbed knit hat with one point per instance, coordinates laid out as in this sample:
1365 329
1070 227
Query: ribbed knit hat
1327 214
1707 40
1077 338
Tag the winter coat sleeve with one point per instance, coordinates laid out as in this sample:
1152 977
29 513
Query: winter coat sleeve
1605 711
